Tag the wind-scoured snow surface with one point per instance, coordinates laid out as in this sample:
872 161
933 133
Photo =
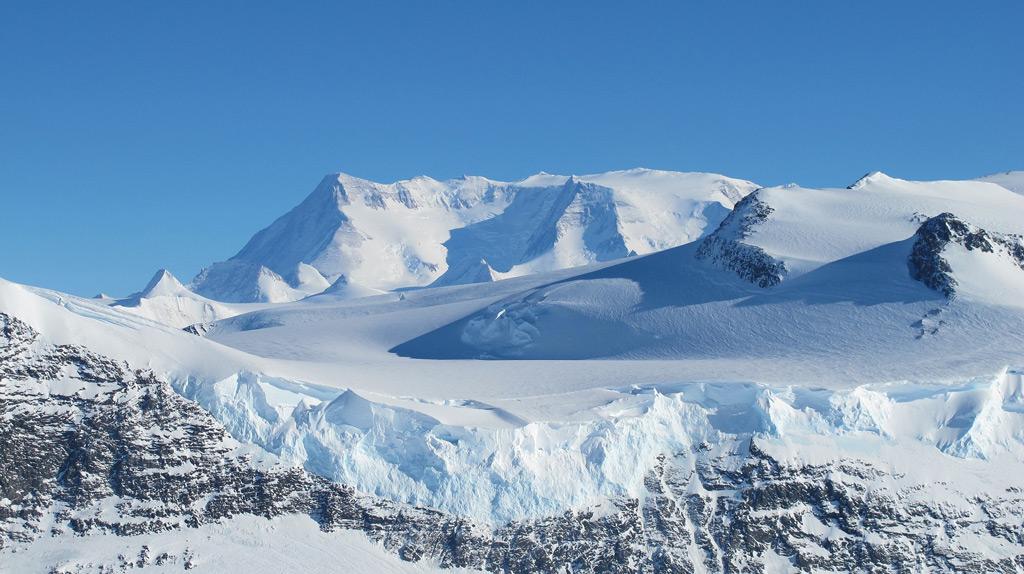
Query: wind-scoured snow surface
380 237
885 353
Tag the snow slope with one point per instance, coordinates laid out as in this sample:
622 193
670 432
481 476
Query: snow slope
1011 180
793 275
422 231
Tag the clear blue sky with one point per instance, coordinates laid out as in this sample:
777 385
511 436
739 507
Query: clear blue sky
138 135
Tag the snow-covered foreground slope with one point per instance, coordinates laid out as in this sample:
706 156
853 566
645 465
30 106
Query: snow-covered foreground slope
104 469
243 544
373 237
749 477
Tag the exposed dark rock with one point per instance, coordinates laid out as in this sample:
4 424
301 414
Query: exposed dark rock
199 329
726 249
927 264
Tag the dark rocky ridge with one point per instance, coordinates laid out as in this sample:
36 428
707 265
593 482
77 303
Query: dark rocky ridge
929 267
81 432
725 248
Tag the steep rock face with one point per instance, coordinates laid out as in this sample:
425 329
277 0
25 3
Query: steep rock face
936 234
105 447
753 511
725 247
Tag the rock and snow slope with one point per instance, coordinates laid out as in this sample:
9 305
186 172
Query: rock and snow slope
860 411
847 311
679 478
421 231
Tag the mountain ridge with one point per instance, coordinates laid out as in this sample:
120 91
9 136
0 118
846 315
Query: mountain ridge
411 232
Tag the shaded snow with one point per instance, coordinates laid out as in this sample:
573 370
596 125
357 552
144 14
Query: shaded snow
1011 180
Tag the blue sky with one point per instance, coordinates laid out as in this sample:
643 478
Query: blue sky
139 135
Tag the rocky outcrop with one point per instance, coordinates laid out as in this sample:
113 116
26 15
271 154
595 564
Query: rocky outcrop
927 264
725 247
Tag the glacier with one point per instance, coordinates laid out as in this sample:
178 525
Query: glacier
507 469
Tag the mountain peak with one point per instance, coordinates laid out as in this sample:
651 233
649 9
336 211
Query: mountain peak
870 177
162 283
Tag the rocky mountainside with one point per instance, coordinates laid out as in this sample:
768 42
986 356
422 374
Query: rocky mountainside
725 248
781 233
94 446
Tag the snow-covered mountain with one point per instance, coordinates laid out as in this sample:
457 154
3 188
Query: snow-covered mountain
375 237
826 380
801 230
792 274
